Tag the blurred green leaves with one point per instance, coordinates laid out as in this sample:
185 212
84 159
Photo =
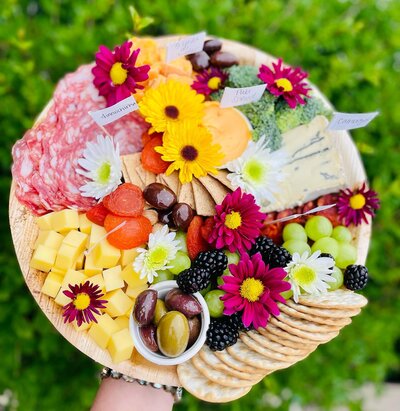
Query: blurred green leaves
350 48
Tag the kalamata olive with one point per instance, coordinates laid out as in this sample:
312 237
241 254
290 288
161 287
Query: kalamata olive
182 215
148 333
160 311
211 46
159 196
165 217
200 61
173 334
145 306
194 330
184 303
223 59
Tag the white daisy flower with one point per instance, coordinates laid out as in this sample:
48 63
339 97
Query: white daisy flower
162 249
310 274
101 164
258 171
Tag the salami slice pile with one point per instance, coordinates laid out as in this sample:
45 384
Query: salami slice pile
46 158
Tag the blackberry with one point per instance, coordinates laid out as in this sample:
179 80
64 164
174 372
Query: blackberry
215 261
236 322
278 257
355 277
193 279
221 334
263 245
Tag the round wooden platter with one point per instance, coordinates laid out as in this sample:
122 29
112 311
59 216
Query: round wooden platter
24 232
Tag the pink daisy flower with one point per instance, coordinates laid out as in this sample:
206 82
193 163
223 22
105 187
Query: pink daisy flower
237 222
286 82
253 288
354 205
209 81
115 74
85 303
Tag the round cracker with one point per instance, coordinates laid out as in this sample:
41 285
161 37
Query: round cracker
214 362
321 337
241 352
239 365
323 312
288 343
275 346
305 325
219 377
266 352
297 342
339 299
314 318
204 389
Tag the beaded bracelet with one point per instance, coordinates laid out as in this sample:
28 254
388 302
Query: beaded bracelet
176 392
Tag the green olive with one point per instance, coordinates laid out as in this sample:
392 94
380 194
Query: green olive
173 334
160 311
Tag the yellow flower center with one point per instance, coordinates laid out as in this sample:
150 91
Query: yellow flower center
304 275
254 171
104 172
357 201
233 220
158 256
284 84
118 74
82 301
251 289
214 83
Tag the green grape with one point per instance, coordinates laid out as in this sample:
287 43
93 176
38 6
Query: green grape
205 290
318 227
338 276
180 263
296 246
181 237
341 234
163 275
233 258
287 294
294 231
326 245
215 305
220 280
347 255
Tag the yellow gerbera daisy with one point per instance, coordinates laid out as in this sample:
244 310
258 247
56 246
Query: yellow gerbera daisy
171 103
189 147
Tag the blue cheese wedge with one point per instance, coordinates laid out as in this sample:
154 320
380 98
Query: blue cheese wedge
314 166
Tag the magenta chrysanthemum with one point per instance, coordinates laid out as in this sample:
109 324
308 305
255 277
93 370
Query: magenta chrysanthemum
253 288
85 303
209 81
286 82
237 222
354 205
115 74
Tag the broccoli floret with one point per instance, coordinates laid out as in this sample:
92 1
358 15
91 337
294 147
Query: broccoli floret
314 107
242 76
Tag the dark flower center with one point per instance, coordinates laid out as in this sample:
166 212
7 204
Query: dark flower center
171 111
189 153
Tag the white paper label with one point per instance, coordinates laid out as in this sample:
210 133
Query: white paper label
187 45
113 113
349 121
239 96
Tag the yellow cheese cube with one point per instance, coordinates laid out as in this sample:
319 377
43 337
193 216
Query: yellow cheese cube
128 256
118 303
90 267
133 292
120 346
66 257
98 280
129 312
123 322
85 225
64 220
44 222
76 239
83 327
72 277
112 278
43 258
106 255
79 263
97 234
61 298
131 277
103 329
52 284
49 238
58 271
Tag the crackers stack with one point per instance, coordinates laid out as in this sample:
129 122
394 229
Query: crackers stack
223 376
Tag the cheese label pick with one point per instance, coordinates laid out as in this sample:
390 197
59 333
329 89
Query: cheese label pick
187 45
113 113
239 96
350 121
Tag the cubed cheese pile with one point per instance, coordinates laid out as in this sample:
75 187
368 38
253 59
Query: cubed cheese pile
59 250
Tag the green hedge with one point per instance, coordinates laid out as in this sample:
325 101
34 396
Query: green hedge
349 47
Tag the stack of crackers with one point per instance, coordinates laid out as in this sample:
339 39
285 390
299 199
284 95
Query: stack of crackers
223 376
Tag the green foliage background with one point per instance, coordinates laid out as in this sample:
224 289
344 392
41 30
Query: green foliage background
351 49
